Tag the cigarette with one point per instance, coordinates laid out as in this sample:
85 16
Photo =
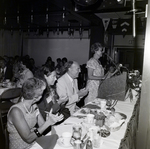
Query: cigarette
46 112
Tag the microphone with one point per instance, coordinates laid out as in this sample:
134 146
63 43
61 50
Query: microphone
121 66
111 59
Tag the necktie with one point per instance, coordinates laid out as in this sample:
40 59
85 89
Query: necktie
74 86
2 76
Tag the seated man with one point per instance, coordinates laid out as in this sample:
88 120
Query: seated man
5 70
67 86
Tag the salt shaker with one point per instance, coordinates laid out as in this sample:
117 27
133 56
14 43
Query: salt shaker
76 135
77 144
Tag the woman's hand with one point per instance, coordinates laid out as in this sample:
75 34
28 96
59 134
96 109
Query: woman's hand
54 118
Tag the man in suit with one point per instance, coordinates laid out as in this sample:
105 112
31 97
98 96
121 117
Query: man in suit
5 70
67 86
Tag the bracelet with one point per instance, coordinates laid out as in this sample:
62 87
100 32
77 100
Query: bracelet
37 133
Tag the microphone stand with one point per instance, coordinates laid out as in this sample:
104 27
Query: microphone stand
112 61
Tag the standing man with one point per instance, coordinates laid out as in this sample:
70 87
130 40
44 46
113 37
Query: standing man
67 86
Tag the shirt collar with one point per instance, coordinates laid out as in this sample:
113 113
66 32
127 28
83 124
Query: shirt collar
69 77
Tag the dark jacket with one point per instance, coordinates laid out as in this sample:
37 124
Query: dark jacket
44 106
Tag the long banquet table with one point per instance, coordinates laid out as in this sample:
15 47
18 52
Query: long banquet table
120 139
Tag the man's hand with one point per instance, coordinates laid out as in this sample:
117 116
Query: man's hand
62 100
82 92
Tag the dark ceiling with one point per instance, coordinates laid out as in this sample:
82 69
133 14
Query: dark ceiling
33 14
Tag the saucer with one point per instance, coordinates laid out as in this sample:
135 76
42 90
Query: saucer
63 145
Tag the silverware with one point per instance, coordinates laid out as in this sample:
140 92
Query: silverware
68 124
79 116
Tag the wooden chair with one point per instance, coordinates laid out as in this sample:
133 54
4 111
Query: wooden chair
5 104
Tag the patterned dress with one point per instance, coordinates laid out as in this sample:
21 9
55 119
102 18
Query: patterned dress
93 85
15 141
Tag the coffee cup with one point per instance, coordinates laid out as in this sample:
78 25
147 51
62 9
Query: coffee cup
97 141
93 131
65 139
9 84
7 80
90 118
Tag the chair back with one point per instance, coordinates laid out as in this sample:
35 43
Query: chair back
4 134
9 94
5 104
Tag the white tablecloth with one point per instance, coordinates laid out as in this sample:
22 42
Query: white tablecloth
110 142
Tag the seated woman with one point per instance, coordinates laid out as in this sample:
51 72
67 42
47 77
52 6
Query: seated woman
21 74
25 123
50 98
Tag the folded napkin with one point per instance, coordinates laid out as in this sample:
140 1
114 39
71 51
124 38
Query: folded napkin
72 120
47 142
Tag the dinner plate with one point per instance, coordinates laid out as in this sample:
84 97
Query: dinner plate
116 125
62 145
122 114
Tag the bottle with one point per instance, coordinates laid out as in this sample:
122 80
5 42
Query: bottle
89 145
76 135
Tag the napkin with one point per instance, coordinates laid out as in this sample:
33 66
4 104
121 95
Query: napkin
47 142
73 121
91 106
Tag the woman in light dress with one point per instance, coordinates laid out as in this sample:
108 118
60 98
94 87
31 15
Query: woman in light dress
95 72
25 123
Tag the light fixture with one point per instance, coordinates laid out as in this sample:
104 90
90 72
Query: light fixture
72 31
18 16
58 28
63 14
20 31
89 33
47 30
32 16
80 31
11 31
28 33
37 31
5 19
47 17
86 2
121 1
69 29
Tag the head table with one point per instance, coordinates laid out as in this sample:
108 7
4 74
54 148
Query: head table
120 139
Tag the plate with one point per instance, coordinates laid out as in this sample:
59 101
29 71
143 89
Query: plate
62 145
123 115
104 133
115 121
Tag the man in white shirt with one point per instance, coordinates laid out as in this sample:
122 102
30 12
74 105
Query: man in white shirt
67 86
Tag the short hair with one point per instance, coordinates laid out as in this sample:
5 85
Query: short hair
58 59
30 87
64 59
68 65
95 47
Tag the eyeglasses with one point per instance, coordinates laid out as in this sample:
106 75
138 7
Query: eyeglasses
103 50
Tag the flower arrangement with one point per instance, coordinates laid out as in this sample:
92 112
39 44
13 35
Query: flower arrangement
134 83
135 80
